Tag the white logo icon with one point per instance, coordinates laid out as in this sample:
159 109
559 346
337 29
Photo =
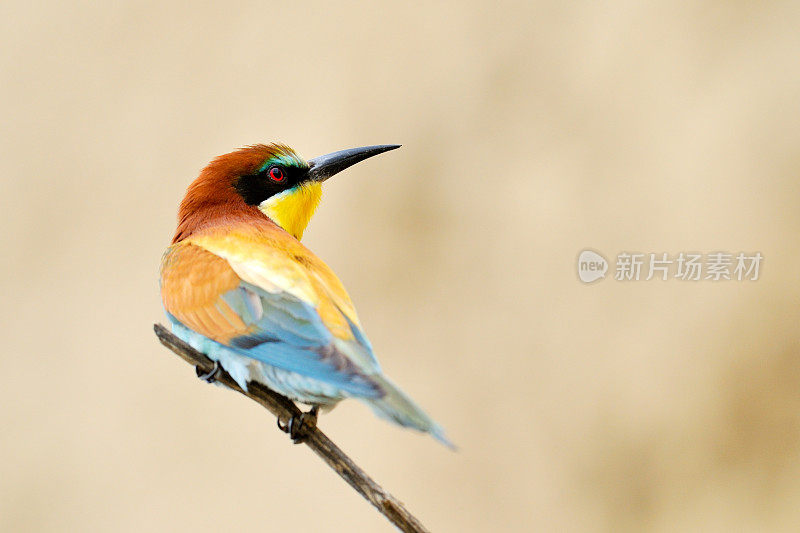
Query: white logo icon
591 266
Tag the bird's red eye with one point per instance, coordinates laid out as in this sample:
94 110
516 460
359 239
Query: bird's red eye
276 174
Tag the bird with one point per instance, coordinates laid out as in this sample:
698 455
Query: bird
238 285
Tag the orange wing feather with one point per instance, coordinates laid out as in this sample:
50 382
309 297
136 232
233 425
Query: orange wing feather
192 281
270 258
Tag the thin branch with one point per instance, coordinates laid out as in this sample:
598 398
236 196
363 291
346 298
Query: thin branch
315 439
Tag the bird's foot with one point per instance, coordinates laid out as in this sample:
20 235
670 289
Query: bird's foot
296 424
211 375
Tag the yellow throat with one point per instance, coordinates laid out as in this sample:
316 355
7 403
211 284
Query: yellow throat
292 209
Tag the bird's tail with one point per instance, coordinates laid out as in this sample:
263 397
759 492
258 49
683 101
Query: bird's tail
396 407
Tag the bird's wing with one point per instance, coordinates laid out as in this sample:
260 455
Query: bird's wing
271 299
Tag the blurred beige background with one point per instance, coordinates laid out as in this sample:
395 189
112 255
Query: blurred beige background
530 132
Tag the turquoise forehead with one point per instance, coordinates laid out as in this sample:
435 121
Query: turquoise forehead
286 159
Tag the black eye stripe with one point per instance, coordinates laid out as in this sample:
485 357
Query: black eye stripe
255 188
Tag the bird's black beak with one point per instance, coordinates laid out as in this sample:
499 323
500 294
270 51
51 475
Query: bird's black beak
323 167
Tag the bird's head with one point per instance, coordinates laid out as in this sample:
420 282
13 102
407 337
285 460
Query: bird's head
271 178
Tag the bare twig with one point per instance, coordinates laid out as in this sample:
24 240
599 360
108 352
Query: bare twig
315 439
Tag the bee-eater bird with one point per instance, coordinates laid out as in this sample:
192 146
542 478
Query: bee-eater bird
238 285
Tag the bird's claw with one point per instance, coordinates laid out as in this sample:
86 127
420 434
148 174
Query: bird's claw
210 376
294 426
